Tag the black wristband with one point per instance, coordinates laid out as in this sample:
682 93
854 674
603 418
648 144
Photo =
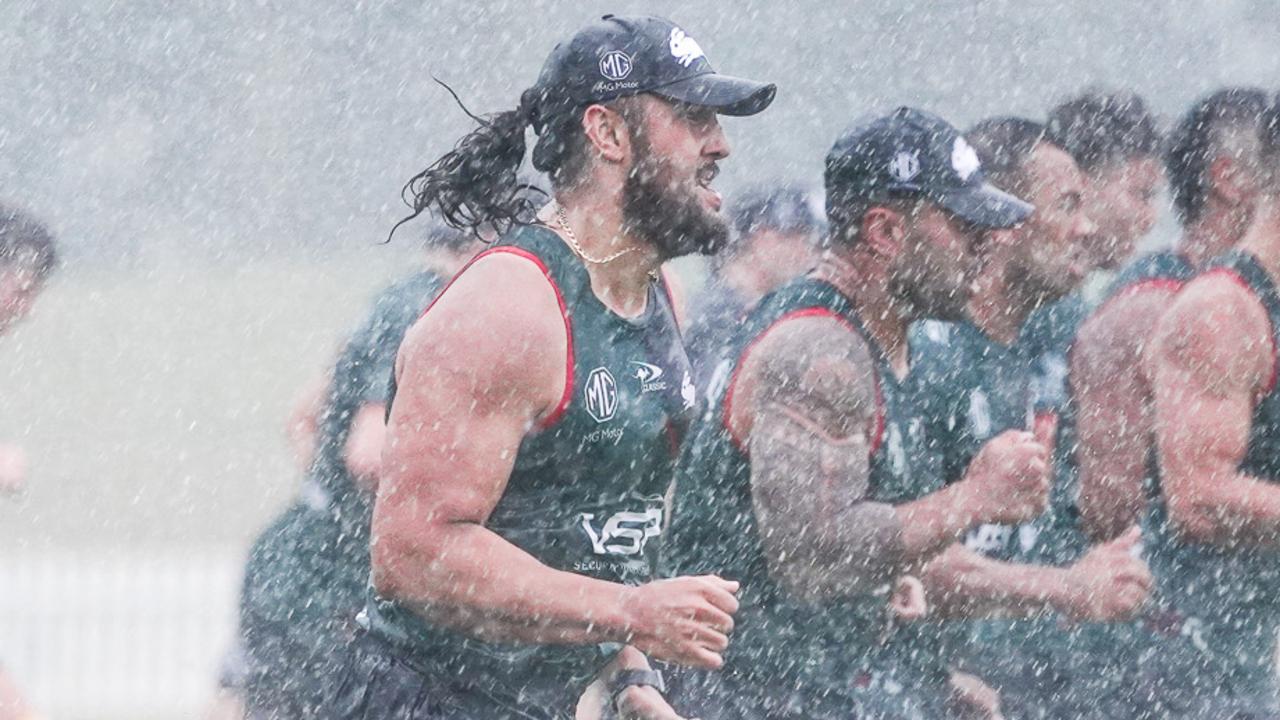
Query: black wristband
624 679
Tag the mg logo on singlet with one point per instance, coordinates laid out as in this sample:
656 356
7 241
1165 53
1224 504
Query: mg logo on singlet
624 533
601 395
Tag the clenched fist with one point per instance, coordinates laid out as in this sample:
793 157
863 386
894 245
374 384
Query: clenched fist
1111 582
1008 481
684 620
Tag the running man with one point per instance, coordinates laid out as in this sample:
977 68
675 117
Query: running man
539 399
1217 424
306 575
982 379
804 481
1213 164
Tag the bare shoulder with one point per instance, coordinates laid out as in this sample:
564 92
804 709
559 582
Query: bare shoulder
1217 325
817 366
499 324
1116 335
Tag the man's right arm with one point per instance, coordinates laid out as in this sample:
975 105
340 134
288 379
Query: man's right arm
812 402
475 374
1213 357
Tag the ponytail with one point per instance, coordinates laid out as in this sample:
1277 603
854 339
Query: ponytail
476 186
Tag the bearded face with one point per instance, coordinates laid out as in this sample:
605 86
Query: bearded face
666 202
933 274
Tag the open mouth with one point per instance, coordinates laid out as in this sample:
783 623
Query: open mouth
704 178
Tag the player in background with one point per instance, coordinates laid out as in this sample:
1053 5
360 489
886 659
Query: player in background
1213 165
28 256
777 231
1213 546
982 380
306 574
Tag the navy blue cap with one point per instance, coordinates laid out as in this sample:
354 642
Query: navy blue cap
618 56
911 153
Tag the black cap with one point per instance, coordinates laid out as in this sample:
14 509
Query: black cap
911 153
619 55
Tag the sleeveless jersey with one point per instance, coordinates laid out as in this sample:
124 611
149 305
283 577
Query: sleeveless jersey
782 644
586 493
1228 599
971 389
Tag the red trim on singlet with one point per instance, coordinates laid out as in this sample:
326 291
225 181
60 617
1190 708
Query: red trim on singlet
879 423
563 405
1171 284
1271 334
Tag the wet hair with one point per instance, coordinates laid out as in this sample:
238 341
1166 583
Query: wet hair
1004 144
1270 133
1197 140
781 208
1099 128
477 186
24 239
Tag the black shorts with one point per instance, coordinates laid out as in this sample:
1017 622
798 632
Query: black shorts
376 681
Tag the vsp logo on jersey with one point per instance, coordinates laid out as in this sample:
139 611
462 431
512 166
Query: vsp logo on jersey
615 65
624 533
684 48
601 395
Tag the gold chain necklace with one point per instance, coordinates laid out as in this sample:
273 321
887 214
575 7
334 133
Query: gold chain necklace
563 219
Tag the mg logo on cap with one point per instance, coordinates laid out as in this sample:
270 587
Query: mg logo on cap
615 65
905 165
601 395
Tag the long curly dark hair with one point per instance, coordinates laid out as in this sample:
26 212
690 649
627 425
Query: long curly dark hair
476 187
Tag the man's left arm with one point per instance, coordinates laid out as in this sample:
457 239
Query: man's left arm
1109 583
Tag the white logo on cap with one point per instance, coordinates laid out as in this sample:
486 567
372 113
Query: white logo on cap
964 159
615 65
905 165
684 48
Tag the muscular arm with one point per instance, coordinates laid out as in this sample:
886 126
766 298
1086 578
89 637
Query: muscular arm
961 583
1115 417
810 406
474 374
1212 358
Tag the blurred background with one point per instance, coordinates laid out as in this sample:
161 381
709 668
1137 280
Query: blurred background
220 174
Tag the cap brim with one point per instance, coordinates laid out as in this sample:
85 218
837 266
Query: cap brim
727 94
986 205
